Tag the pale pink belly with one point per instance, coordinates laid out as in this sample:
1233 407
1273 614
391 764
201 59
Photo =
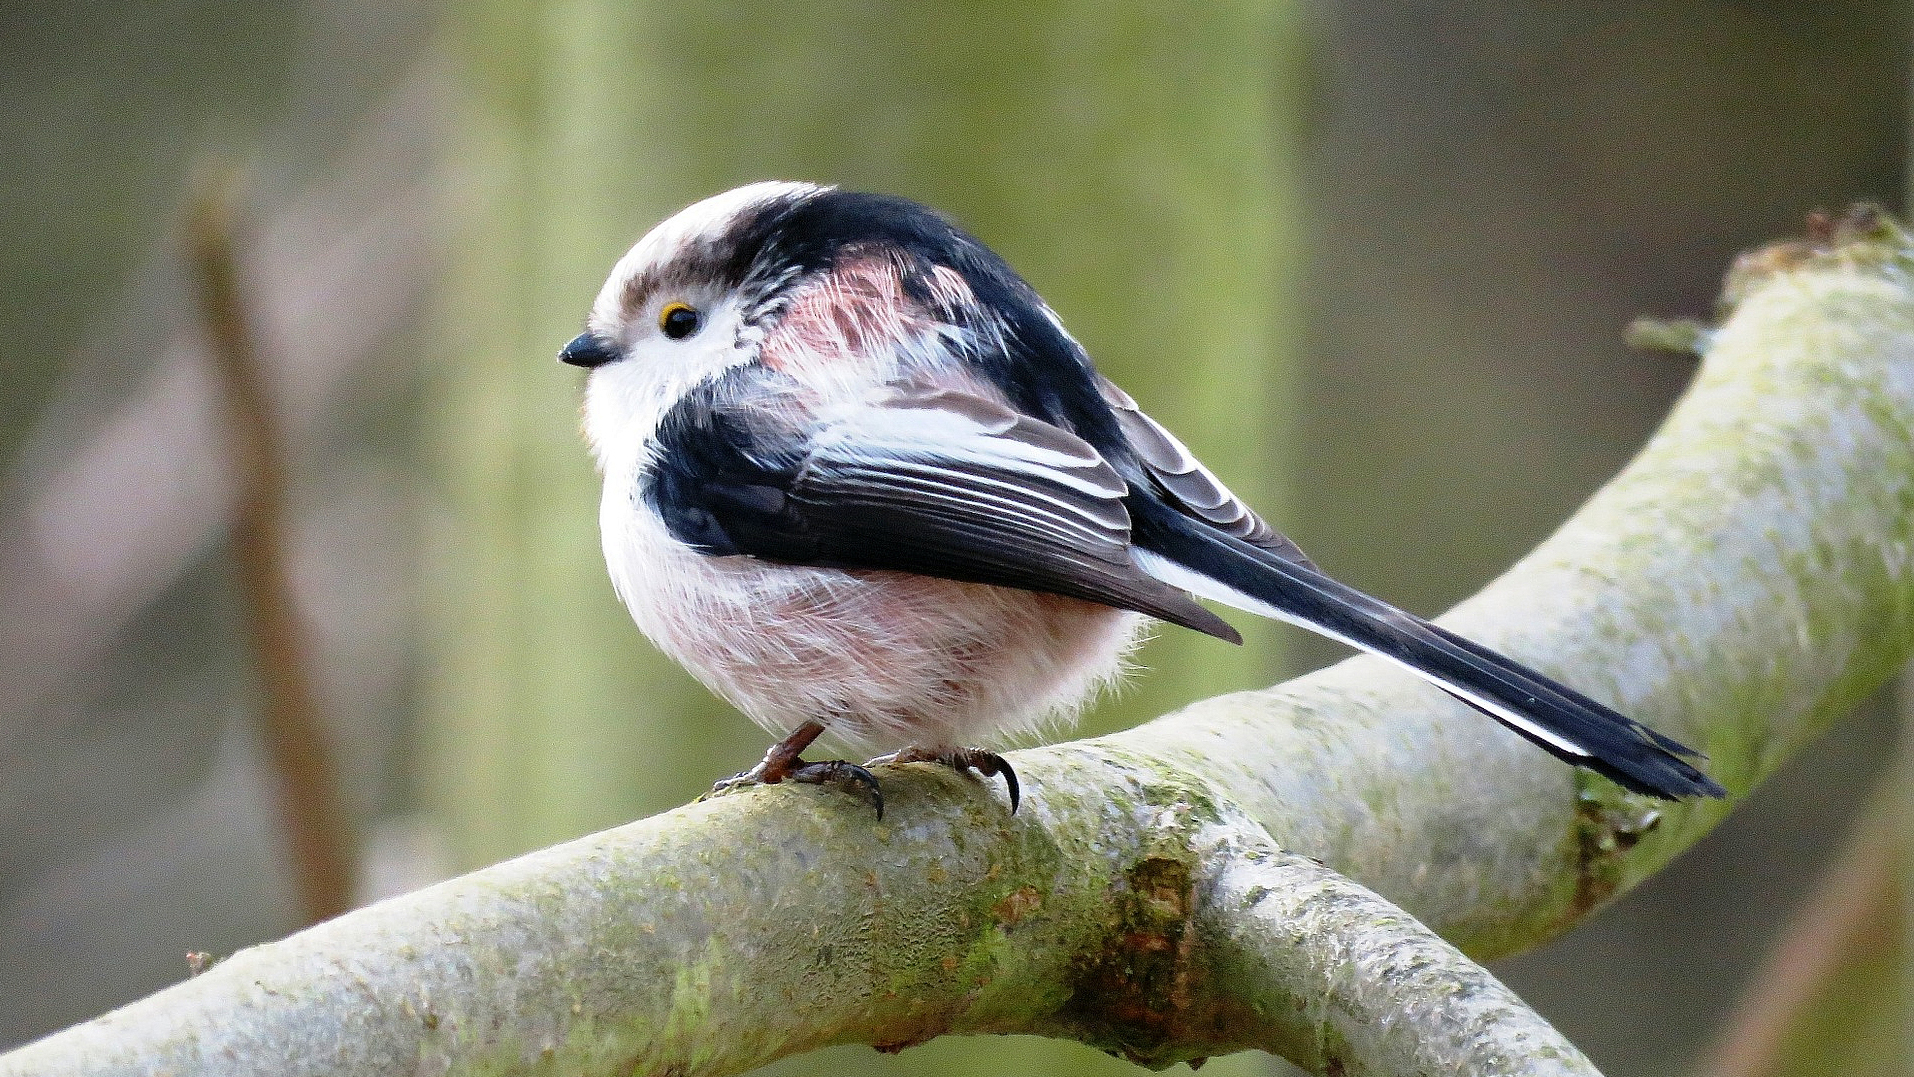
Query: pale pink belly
885 659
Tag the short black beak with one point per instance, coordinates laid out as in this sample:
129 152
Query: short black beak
588 350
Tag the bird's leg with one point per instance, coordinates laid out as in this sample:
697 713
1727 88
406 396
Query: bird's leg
782 763
782 759
961 760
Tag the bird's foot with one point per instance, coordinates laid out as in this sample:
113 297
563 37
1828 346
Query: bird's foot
961 760
783 764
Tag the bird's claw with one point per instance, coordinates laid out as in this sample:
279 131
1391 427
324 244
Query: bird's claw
845 775
961 760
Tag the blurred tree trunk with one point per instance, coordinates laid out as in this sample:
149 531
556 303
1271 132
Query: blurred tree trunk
546 707
1136 165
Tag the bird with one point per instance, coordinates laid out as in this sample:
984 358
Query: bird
859 479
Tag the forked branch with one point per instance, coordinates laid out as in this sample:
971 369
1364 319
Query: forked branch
1743 582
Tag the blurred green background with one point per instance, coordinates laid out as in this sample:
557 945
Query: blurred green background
1372 261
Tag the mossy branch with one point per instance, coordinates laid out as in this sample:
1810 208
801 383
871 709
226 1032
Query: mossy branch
1119 908
1739 585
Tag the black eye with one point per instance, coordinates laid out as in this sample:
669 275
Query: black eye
679 320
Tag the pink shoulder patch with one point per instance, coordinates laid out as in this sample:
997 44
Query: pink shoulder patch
855 315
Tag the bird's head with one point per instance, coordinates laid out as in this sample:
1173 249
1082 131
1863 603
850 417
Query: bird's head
841 290
687 302
683 294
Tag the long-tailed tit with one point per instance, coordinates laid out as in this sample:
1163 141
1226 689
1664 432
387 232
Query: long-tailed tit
860 479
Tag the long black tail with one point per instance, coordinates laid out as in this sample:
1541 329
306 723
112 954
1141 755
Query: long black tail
1553 716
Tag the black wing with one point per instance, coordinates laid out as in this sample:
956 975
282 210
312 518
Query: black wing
1186 485
931 481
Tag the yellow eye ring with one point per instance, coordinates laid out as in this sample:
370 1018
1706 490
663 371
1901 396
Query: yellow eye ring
679 320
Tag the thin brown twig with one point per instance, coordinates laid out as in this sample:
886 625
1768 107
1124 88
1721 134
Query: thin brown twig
317 831
1853 905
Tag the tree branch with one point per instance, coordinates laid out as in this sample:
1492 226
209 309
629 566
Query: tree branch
1739 585
1116 909
1348 984
1745 581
